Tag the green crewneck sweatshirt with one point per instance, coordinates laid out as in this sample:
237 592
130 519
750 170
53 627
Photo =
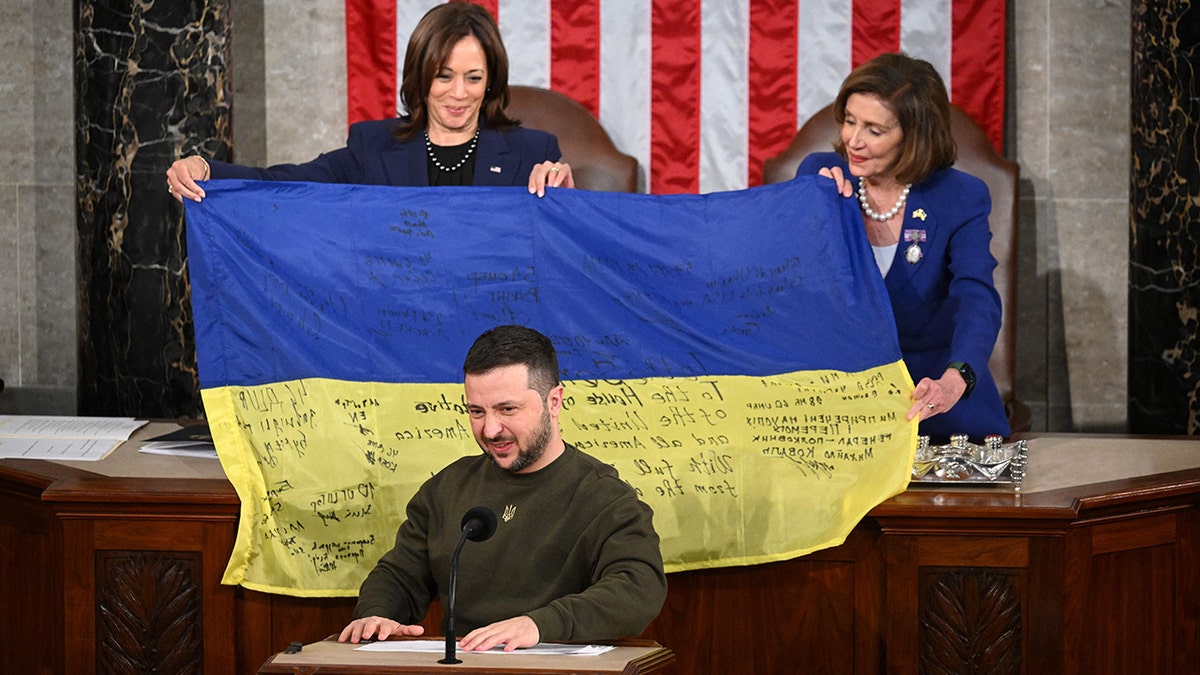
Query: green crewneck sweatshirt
574 549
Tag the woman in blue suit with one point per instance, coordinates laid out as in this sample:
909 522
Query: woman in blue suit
927 224
455 88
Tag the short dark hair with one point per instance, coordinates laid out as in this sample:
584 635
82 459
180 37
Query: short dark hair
916 95
429 48
515 345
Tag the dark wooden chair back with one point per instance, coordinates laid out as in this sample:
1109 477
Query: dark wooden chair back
595 161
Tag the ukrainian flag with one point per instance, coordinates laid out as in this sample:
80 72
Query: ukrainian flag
732 354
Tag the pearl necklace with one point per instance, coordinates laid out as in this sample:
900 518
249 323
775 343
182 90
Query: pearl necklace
887 215
433 158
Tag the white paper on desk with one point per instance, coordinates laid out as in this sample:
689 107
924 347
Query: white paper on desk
91 450
55 437
436 646
52 426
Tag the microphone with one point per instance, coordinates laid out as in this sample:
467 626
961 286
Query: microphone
478 524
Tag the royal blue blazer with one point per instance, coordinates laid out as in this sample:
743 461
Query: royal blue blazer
945 304
373 157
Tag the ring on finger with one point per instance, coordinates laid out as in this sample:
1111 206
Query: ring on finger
555 169
931 406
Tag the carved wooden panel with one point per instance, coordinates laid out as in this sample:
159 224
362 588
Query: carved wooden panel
970 622
148 612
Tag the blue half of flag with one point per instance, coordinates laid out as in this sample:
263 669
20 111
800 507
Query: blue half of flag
384 284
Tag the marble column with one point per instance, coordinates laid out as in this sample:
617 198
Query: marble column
1164 250
151 85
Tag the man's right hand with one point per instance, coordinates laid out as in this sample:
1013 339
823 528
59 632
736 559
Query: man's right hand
377 627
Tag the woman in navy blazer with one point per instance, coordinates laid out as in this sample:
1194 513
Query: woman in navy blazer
928 227
455 88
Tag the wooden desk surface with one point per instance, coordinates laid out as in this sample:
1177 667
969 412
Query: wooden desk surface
1067 474
329 656
127 462
1056 461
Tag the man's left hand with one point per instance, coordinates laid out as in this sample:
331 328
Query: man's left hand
515 633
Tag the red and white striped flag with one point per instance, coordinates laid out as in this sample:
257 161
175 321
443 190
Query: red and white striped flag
701 91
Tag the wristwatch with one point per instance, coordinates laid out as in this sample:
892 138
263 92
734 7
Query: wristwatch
968 375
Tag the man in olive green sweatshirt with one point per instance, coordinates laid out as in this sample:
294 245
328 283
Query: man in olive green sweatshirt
575 555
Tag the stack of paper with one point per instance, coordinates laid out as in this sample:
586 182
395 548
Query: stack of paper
435 646
49 437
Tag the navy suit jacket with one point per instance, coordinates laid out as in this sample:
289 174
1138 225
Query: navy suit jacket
373 157
945 304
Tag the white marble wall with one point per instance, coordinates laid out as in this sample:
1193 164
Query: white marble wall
1070 76
1069 91
300 108
37 206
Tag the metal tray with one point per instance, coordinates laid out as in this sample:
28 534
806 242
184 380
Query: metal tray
964 463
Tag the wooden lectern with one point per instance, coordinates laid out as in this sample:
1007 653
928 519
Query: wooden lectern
330 657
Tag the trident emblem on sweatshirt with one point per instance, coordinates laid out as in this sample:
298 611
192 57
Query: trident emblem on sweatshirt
509 512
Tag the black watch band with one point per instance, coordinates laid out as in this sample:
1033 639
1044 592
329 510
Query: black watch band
968 375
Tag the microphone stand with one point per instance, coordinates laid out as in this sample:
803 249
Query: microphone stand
477 525
451 640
